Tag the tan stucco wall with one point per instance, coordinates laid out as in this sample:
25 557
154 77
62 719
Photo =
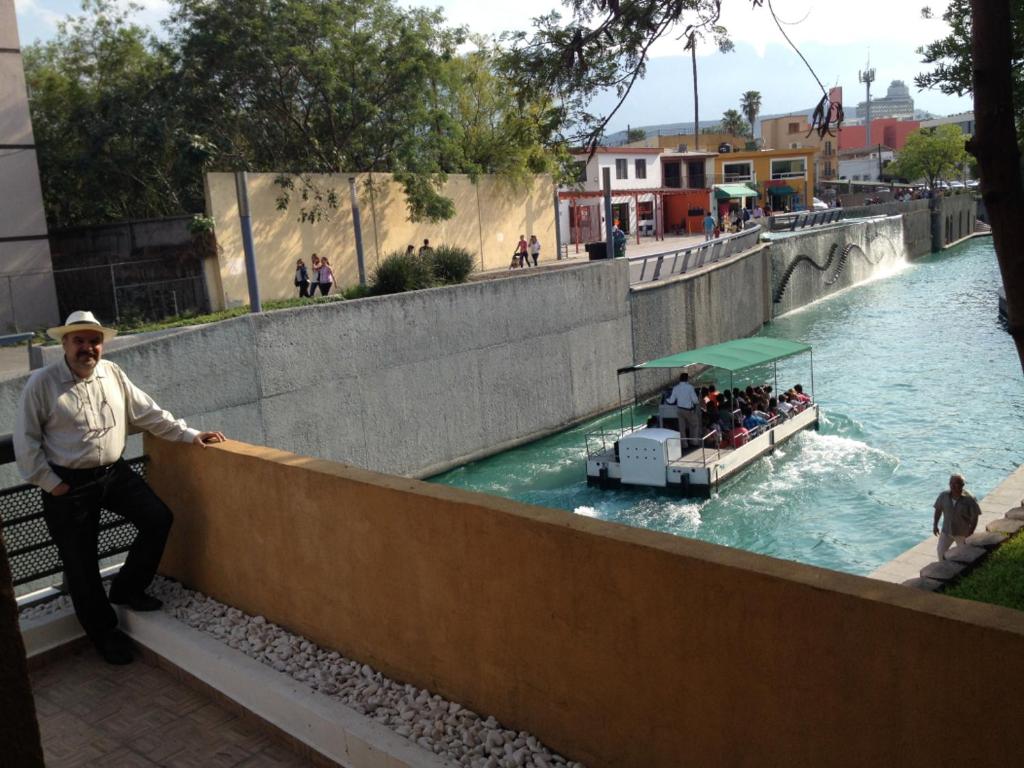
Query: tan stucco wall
617 646
489 217
28 299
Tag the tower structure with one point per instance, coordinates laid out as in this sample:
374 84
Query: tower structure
867 76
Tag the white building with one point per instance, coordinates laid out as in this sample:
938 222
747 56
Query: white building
28 298
652 191
862 164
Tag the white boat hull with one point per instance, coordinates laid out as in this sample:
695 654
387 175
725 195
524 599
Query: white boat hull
654 458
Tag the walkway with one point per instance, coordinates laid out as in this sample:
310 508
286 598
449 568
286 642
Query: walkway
94 714
1006 495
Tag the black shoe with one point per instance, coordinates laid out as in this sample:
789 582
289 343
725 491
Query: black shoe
141 602
116 648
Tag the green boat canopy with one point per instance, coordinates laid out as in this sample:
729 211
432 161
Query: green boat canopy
730 356
729 191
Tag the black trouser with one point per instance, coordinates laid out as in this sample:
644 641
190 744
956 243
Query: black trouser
73 521
325 288
303 289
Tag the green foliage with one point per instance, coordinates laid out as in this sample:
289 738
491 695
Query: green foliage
930 154
750 106
111 140
635 134
952 60
356 292
136 325
126 123
602 46
399 272
999 580
200 224
451 264
733 123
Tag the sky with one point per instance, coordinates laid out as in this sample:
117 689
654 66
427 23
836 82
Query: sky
837 39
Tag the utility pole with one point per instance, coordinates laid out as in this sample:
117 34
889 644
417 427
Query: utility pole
867 77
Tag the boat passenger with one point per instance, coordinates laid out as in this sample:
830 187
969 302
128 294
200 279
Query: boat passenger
785 409
684 397
799 390
752 422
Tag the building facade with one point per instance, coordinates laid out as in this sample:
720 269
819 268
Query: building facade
782 179
864 164
886 131
897 103
28 299
793 131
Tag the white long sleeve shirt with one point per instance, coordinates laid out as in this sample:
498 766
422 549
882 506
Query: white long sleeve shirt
82 423
683 395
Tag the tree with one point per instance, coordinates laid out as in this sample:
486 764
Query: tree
635 134
750 106
983 55
110 138
930 154
733 123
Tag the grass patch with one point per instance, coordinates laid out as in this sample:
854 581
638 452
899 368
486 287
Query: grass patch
187 320
999 580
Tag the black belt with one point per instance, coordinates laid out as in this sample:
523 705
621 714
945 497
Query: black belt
83 478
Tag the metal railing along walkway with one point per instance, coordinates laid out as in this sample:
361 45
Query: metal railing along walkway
660 266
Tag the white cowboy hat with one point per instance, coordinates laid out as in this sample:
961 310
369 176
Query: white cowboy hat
81 320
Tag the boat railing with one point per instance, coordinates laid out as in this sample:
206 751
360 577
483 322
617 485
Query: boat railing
600 440
708 453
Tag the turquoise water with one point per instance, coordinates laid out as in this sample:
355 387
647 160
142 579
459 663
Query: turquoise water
916 379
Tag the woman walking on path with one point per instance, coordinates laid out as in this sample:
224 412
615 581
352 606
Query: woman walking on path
326 276
301 279
314 264
521 252
534 246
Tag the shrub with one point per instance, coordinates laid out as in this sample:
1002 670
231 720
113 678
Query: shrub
399 272
356 291
451 264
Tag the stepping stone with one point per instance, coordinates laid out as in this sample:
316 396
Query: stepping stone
928 585
966 555
1005 526
986 540
1017 513
943 570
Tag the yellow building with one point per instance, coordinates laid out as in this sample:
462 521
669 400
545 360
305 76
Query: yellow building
779 178
794 131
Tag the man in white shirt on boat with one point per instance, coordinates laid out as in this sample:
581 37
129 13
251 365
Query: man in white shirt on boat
684 397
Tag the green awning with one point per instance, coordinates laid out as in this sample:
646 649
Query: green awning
730 355
728 191
782 190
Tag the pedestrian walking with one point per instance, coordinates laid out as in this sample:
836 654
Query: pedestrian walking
326 279
522 252
301 279
534 247
314 278
959 512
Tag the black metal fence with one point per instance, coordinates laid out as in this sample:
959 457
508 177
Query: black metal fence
32 554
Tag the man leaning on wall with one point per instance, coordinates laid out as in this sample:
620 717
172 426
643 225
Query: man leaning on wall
69 438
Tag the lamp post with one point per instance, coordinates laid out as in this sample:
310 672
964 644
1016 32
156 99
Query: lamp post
245 219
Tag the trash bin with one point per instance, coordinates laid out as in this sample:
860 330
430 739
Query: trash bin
597 250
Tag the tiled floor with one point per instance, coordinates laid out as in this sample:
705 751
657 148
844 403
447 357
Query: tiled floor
94 714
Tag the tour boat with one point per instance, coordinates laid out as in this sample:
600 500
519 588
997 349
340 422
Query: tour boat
654 455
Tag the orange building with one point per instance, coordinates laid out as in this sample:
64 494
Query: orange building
779 178
887 131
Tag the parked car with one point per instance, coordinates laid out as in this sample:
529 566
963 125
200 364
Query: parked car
819 205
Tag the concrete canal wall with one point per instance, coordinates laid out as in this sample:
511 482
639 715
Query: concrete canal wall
405 384
419 382
815 264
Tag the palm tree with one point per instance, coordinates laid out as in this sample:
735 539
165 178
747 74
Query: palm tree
750 105
733 123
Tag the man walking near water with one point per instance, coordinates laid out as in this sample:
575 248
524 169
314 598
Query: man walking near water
959 511
69 438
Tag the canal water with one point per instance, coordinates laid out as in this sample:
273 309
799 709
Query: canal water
916 379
